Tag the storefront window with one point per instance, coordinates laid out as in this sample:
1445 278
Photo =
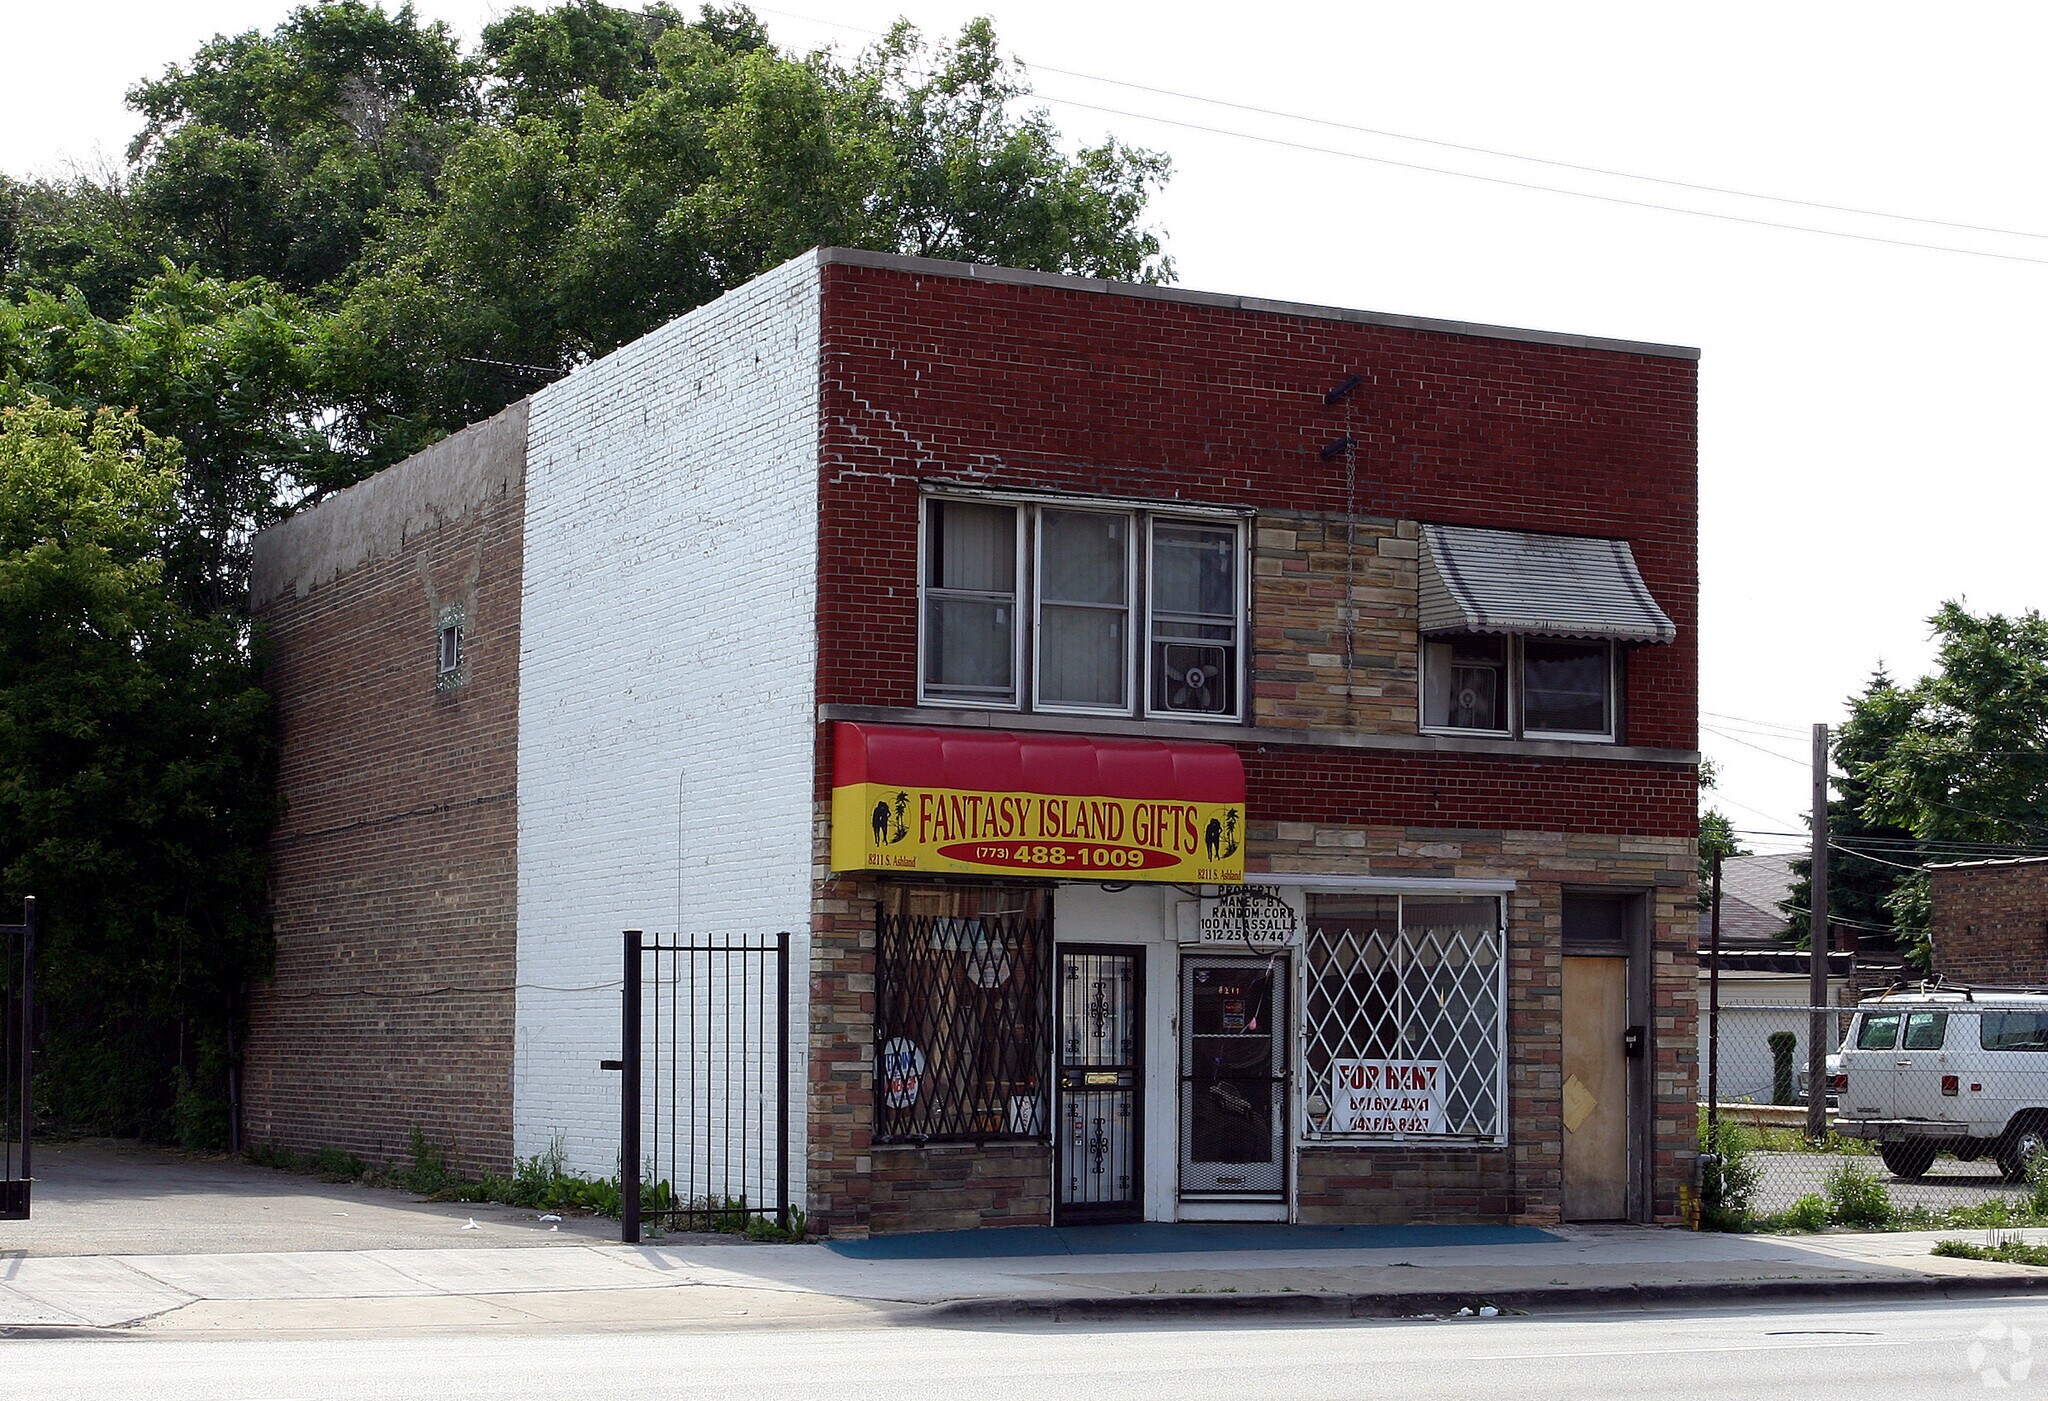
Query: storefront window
963 983
1404 1017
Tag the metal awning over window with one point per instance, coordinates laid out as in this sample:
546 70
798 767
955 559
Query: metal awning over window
1476 580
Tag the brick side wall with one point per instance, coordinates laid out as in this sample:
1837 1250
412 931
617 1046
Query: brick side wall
392 867
1068 391
1991 922
668 696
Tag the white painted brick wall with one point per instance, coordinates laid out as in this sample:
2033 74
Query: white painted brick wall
667 683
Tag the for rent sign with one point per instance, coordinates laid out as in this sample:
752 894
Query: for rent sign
1387 1096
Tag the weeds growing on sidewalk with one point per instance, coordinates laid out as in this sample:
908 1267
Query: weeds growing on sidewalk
2006 1252
1851 1196
540 1183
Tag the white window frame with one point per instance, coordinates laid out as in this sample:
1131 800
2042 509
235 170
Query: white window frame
1017 596
1132 522
1303 1136
1027 602
1241 620
1515 729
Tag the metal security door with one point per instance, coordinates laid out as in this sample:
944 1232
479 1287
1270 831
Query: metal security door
1101 1072
1233 1077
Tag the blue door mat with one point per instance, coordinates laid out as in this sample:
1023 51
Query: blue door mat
1172 1238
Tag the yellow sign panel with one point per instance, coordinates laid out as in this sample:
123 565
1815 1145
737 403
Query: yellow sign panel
884 827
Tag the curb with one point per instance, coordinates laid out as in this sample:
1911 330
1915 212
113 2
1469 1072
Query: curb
1445 1303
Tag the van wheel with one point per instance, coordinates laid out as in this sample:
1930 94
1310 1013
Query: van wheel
2022 1148
1909 1159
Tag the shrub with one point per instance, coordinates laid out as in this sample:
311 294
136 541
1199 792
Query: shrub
337 1165
1729 1172
1782 1044
428 1173
1809 1213
1856 1197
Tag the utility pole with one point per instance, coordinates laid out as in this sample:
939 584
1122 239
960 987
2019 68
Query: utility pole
1817 948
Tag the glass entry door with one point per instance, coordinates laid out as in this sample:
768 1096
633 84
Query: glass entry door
1101 1033
1233 1077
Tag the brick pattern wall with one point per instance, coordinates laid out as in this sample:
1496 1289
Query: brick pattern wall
667 698
928 378
392 879
1991 922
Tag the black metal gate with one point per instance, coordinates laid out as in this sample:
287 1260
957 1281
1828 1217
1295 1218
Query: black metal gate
1102 1074
704 1107
17 1019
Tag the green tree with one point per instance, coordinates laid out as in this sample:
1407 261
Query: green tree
1718 841
1957 758
695 156
274 155
240 374
134 775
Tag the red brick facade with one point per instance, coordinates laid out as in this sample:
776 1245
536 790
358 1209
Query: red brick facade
1991 922
1064 389
393 865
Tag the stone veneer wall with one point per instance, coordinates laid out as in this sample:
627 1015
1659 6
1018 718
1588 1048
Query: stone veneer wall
1304 676
1520 1182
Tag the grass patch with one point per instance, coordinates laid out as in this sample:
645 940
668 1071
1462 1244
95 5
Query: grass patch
2010 1252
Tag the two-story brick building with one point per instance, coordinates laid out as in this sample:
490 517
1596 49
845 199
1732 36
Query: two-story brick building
1219 759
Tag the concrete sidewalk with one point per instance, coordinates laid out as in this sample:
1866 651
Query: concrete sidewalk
584 1287
149 1243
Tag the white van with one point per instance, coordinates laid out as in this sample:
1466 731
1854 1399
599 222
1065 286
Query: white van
1948 1069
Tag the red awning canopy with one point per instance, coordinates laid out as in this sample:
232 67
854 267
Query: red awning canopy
1081 766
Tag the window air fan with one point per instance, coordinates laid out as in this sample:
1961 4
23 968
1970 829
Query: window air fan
1195 678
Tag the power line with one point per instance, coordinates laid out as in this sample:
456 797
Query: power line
1502 180
1539 160
1470 149
1788 731
1747 744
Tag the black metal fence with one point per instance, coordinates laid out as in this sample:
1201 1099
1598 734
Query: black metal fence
17 1018
705 1098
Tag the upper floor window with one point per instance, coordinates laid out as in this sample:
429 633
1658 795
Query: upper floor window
1539 687
1081 610
1525 634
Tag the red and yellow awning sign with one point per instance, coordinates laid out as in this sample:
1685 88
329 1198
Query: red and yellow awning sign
983 802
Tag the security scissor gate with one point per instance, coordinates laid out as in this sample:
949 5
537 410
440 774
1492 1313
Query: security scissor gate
705 1094
17 1018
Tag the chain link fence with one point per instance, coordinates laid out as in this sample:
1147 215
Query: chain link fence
1936 1107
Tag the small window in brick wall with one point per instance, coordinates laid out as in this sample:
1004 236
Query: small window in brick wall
448 669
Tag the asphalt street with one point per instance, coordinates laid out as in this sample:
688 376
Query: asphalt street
1901 1353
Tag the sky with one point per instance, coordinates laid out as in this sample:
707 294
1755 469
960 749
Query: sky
1870 419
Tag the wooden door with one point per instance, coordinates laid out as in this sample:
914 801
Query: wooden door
1596 1115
